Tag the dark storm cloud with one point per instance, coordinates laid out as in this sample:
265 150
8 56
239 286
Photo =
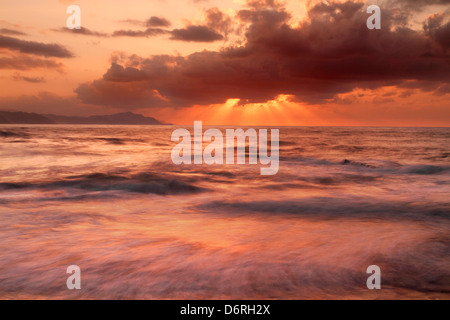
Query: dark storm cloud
436 28
329 53
36 48
196 34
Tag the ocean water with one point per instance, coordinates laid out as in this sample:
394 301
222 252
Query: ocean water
109 199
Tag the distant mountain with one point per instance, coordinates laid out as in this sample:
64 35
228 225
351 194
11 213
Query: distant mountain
23 118
127 118
3 120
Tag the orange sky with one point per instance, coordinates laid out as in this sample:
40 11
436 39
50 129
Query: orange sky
415 94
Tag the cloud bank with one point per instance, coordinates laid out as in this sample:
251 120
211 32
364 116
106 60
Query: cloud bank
329 53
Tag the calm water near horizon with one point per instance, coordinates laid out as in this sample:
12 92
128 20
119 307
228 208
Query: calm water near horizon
110 200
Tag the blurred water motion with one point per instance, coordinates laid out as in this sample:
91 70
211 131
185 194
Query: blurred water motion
109 199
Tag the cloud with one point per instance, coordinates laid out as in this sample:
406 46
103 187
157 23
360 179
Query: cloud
216 24
149 32
27 62
19 77
196 34
216 27
157 22
150 22
422 3
437 29
262 4
329 53
444 89
83 31
209 33
11 32
36 48
153 26
218 21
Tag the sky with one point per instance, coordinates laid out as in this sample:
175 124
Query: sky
230 62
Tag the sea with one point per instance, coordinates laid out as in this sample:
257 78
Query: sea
110 200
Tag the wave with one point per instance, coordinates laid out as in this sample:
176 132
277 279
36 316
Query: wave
11 134
421 169
342 179
115 141
350 149
145 183
334 208
441 156
13 186
425 169
422 268
356 163
287 143
379 166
